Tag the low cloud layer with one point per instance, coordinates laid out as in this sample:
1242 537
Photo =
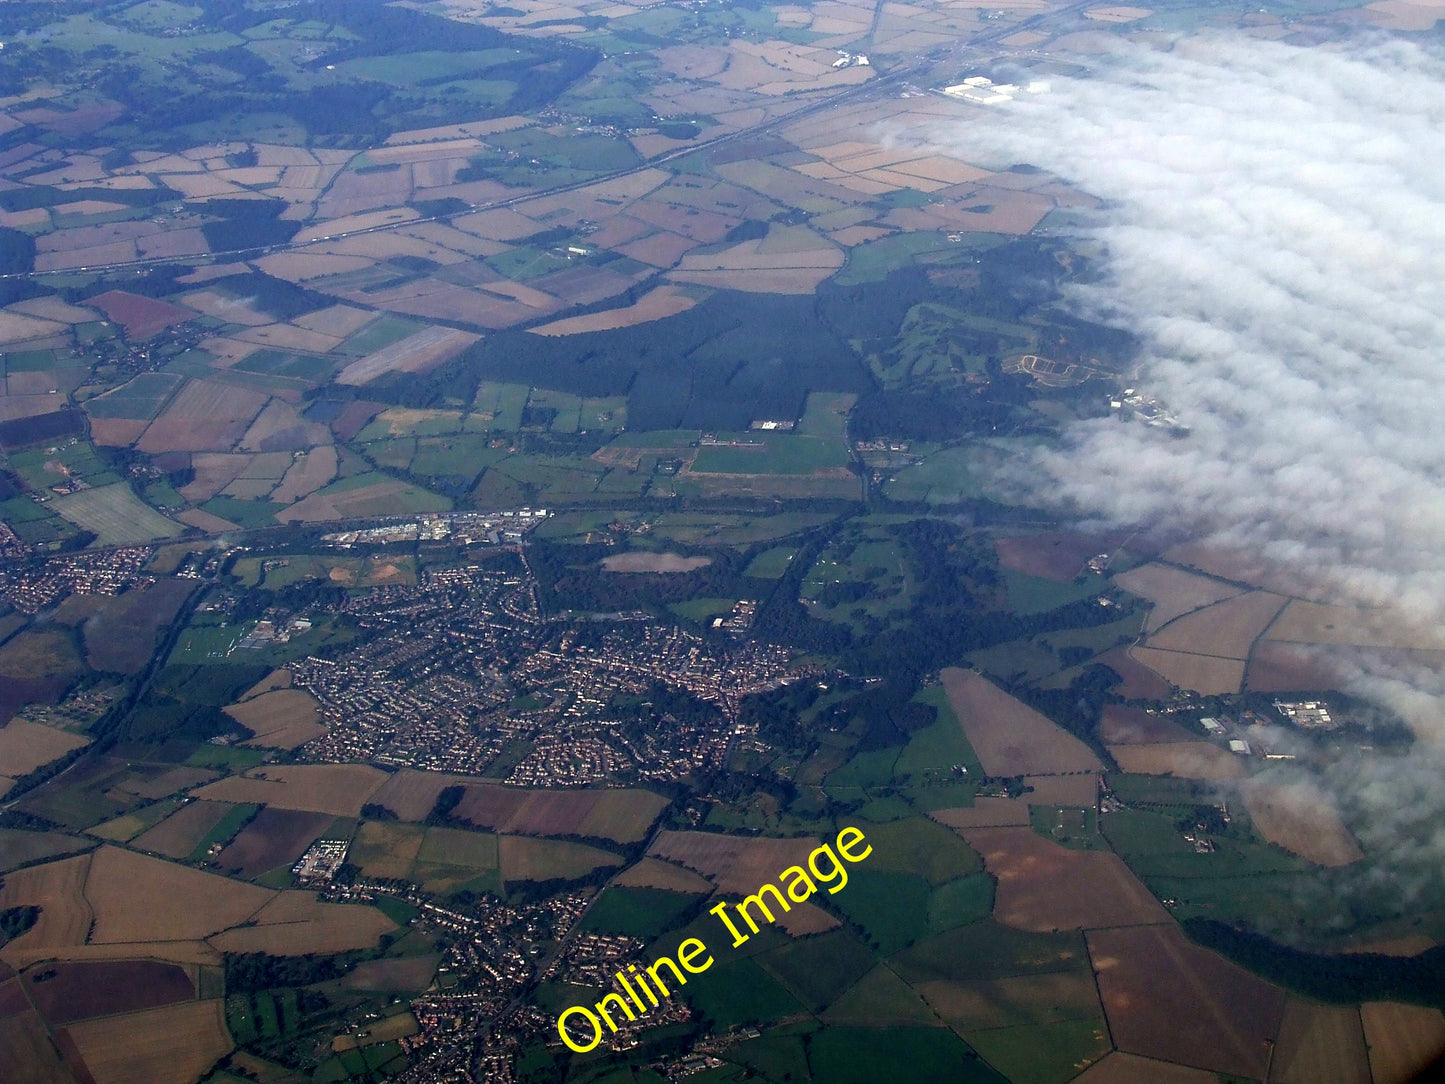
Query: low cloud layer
1275 232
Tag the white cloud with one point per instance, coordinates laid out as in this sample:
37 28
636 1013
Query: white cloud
1275 231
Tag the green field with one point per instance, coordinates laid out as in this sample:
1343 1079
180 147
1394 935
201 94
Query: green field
1043 1053
846 1055
818 969
639 912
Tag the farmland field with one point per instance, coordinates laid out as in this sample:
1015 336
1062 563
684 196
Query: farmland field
274 838
1188 760
25 746
115 514
1151 977
381 849
1302 819
281 719
145 899
1401 1037
338 789
1043 886
65 915
81 990
1320 1043
524 858
295 923
1173 591
171 1045
180 833
1009 737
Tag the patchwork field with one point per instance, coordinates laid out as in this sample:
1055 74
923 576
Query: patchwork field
1187 759
25 746
136 898
338 789
1320 1044
1043 886
115 514
57 888
171 1045
276 837
282 719
1152 977
1302 819
179 834
296 923
1401 1038
1227 629
1207 674
1172 591
1009 737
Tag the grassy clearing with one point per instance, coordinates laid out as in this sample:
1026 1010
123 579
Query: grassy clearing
115 514
844 1055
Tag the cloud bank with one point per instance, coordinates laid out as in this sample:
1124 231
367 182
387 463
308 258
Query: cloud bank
1275 233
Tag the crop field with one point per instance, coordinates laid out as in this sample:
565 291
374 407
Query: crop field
1401 1038
411 794
115 514
159 782
1043 886
171 1045
976 1004
638 912
26 1050
456 847
1043 1052
736 864
1187 760
282 719
1320 1044
1226 629
1207 674
1313 623
1135 726
416 353
275 837
1172 591
1152 977
524 858
880 999
296 923
655 873
376 495
1058 556
203 416
382 849
20 848
1302 819
57 888
179 834
338 789
620 815
141 317
77 991
1009 737
657 304
25 746
136 898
